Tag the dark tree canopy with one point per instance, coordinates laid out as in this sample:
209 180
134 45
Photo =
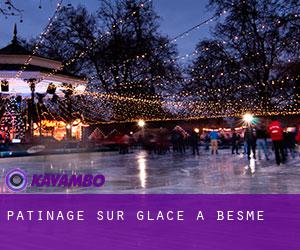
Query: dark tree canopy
253 41
9 8
119 48
250 62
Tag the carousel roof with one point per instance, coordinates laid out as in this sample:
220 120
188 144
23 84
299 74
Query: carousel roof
14 55
15 48
46 71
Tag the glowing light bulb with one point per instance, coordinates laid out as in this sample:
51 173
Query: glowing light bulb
141 123
248 118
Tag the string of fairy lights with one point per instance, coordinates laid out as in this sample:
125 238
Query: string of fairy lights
95 42
88 48
206 109
203 78
99 107
196 52
191 109
174 39
41 38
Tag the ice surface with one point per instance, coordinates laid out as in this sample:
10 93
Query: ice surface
139 172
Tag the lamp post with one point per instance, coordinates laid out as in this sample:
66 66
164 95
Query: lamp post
248 118
141 124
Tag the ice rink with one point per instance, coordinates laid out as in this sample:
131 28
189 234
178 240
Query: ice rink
141 173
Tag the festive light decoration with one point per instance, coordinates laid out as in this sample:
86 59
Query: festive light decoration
184 110
41 38
141 123
197 130
12 121
248 118
175 39
97 107
95 43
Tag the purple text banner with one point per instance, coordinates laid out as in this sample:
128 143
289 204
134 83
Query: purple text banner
208 222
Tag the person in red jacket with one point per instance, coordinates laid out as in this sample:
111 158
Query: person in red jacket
3 136
276 134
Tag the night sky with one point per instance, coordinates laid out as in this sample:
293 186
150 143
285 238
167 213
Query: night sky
176 17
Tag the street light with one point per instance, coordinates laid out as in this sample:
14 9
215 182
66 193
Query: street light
141 123
197 130
248 118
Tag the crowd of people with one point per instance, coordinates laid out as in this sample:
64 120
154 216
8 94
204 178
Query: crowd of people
254 140
284 142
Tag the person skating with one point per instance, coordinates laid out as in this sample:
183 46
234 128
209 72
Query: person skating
297 139
276 134
250 139
207 141
194 140
235 139
214 141
289 138
261 136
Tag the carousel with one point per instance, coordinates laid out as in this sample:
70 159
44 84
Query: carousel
27 82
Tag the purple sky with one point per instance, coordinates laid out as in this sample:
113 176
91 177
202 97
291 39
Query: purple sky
176 17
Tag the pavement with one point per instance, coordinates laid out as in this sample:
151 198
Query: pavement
173 173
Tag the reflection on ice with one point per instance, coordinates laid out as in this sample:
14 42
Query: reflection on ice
252 165
141 159
171 173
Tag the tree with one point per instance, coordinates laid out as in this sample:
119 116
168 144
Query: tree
213 79
8 8
121 48
136 56
70 35
250 44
